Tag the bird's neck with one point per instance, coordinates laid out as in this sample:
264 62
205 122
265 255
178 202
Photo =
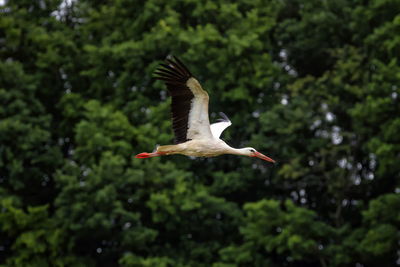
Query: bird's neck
233 151
237 151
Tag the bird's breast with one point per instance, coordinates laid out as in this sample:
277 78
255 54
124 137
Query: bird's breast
203 148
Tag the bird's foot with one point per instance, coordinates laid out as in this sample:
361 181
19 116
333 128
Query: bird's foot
148 155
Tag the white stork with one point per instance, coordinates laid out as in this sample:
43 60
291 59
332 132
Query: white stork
194 136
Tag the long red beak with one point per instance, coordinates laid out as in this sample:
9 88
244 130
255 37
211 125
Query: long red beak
261 156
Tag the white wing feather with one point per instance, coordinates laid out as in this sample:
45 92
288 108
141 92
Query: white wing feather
218 127
198 123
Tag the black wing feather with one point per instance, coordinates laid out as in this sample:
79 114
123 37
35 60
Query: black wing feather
223 117
175 75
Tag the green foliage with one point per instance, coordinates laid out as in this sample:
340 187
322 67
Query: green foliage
313 84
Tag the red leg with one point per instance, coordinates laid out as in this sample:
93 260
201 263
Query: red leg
148 155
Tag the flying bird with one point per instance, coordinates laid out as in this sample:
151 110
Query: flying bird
194 136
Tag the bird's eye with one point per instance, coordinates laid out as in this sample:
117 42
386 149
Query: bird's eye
252 150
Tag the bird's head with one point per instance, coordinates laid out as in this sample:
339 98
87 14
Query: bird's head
251 152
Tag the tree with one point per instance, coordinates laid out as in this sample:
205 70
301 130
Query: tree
313 84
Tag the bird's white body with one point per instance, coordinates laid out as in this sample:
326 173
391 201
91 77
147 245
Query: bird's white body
193 133
210 147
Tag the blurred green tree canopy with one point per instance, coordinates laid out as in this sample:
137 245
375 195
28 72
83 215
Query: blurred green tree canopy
314 84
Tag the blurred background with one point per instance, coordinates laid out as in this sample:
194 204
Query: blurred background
313 84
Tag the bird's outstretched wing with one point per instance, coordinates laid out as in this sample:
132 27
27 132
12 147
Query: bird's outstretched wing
218 127
189 101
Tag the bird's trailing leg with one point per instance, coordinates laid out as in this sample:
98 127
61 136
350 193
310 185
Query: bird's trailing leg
155 153
149 155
